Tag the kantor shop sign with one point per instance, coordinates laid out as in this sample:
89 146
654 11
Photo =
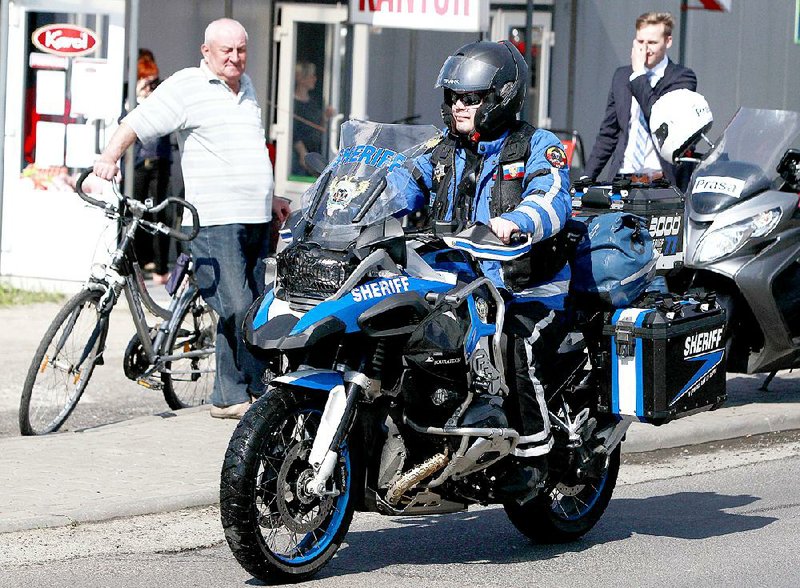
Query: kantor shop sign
65 39
434 15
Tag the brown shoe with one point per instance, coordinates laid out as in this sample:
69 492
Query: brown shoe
234 411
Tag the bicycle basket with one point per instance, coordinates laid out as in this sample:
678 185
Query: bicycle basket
309 271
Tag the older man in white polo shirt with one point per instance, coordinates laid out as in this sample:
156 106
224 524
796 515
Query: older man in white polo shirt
228 177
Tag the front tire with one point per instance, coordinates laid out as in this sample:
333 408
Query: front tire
277 531
63 364
561 513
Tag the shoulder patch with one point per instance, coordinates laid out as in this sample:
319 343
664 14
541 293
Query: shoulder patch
556 156
433 141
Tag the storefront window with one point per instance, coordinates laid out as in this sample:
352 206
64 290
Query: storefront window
68 96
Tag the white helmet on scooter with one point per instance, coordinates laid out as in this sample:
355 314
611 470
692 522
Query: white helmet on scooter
677 120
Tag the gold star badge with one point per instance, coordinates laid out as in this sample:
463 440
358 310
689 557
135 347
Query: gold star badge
438 172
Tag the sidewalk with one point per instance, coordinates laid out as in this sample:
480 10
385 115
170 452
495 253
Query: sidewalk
166 463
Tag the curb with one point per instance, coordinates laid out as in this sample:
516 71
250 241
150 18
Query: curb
725 423
146 465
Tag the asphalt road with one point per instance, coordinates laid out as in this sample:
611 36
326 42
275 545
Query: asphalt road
726 514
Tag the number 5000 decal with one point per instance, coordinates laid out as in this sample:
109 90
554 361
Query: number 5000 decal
665 226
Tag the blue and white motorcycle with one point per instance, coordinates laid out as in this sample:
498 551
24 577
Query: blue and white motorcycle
389 389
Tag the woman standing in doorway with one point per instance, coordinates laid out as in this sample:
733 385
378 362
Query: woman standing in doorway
309 119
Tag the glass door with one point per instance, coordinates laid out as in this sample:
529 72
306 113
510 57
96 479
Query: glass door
317 72
510 24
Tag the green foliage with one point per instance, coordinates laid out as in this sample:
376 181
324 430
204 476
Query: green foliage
10 296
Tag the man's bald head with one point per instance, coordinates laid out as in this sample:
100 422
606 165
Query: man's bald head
225 50
215 27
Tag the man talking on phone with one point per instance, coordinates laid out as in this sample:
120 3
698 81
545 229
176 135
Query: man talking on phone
624 136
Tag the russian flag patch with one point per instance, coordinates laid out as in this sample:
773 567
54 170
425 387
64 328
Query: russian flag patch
512 171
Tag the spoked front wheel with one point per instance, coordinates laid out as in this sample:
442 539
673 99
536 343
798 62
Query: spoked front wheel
63 364
567 510
189 378
277 530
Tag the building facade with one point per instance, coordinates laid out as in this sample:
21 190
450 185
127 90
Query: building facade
385 72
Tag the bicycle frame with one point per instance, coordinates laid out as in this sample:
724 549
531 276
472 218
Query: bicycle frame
123 273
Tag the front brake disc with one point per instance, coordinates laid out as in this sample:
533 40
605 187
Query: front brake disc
300 511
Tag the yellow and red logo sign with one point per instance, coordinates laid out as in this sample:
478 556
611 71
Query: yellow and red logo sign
65 39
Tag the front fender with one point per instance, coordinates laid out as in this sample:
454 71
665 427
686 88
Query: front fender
312 379
322 458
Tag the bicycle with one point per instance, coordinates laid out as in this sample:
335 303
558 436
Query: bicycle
180 349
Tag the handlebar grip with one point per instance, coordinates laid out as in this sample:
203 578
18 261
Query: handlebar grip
167 230
517 237
84 196
181 236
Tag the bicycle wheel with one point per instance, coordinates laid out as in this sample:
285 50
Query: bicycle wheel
188 381
63 364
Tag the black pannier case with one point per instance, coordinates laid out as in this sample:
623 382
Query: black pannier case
667 359
662 208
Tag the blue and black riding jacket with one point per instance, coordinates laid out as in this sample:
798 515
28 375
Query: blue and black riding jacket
521 176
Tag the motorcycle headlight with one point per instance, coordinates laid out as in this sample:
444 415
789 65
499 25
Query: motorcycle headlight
726 240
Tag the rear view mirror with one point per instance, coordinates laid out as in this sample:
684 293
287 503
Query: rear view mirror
789 166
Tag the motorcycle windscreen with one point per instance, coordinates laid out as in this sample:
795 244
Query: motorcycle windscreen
744 161
366 183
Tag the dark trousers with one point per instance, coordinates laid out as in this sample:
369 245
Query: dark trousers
152 181
534 334
230 271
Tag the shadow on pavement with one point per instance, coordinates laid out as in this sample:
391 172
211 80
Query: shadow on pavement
487 536
745 389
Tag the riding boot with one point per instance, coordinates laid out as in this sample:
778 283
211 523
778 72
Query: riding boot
523 480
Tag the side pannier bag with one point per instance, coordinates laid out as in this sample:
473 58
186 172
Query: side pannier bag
614 261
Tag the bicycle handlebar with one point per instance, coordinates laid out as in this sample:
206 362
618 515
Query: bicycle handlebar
84 196
161 227
179 235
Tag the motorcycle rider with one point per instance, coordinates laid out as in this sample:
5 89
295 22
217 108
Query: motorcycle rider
492 168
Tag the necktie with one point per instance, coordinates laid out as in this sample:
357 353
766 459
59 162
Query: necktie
642 137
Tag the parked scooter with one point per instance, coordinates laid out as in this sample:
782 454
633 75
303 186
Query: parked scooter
742 237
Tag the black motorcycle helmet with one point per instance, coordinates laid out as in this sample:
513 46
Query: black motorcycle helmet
498 68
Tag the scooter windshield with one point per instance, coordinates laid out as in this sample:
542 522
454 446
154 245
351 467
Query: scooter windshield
755 139
366 182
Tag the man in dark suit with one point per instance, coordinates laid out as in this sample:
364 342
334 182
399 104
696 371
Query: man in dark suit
624 135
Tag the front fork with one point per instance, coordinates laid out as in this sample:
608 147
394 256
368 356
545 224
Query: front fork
337 418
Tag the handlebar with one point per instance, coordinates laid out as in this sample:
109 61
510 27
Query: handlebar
159 226
84 196
179 235
479 234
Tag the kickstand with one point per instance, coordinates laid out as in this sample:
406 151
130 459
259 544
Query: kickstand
764 386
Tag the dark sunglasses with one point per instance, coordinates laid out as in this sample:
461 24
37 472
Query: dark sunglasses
467 98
